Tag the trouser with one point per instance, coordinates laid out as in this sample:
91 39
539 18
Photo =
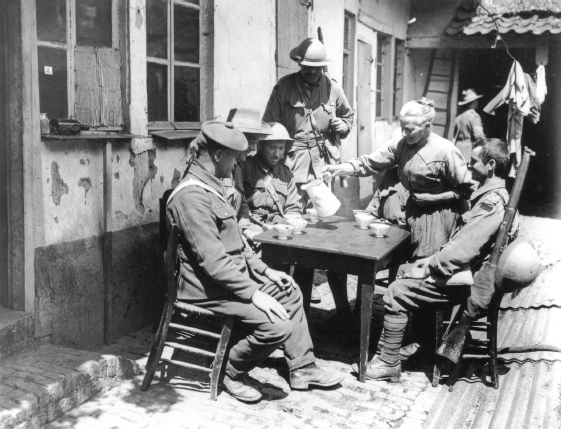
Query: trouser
266 336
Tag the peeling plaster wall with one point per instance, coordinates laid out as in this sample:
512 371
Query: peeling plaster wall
244 54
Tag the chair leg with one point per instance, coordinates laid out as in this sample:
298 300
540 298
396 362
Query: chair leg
158 346
219 358
492 335
439 328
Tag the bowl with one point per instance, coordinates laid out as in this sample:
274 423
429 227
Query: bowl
283 231
379 229
363 220
361 211
298 223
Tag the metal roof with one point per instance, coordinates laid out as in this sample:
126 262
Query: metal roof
517 6
535 24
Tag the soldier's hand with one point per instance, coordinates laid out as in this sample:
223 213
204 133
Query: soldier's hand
419 270
332 170
338 125
269 305
281 279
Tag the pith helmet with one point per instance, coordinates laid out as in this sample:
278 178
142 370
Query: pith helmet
249 121
224 134
518 266
310 52
279 133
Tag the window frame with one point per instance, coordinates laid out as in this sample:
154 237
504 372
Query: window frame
70 45
171 63
398 76
349 58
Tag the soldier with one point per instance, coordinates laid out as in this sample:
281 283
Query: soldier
313 108
217 274
467 126
428 282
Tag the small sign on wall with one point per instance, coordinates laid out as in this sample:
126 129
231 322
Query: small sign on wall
48 70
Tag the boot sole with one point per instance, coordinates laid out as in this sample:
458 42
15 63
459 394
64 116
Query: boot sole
392 378
305 386
242 399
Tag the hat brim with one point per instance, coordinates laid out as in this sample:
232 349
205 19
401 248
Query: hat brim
294 57
461 103
265 129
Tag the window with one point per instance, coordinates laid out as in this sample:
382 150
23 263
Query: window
348 57
399 60
69 35
382 62
174 60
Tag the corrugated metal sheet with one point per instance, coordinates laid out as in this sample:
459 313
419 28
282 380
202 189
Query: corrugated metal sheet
529 397
534 24
545 292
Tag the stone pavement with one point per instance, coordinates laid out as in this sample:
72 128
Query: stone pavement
182 400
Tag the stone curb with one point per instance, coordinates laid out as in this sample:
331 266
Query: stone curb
38 386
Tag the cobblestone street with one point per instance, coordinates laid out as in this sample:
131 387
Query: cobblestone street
182 401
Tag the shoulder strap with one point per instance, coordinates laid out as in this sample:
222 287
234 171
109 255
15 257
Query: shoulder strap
271 191
193 182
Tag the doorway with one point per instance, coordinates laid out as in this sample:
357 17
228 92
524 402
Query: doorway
486 71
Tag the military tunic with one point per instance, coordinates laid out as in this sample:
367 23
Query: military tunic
234 192
467 130
433 166
255 173
292 103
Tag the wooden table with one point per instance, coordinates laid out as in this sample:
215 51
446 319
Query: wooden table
337 244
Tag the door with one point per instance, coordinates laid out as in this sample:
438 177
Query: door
292 28
5 296
364 112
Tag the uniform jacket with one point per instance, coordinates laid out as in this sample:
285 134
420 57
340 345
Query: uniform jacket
255 173
291 103
468 126
212 261
471 244
234 192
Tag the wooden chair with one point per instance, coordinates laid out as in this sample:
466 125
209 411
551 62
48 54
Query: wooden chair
173 306
483 349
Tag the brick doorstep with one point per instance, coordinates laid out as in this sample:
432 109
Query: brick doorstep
38 386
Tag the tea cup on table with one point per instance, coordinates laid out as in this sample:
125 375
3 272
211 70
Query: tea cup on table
283 231
313 215
298 223
363 220
379 229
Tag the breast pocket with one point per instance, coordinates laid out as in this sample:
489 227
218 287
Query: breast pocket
280 187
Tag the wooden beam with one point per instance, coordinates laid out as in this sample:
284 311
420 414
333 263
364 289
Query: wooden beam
471 42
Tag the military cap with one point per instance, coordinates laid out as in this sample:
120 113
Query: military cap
224 134
310 52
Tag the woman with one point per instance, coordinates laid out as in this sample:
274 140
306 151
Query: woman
430 167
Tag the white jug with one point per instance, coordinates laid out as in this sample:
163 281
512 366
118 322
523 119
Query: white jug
324 201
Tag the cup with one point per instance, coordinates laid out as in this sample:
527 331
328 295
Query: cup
363 220
298 223
379 229
313 215
283 231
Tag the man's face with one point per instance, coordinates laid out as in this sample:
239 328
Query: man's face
86 18
224 160
479 171
252 140
311 74
412 130
273 151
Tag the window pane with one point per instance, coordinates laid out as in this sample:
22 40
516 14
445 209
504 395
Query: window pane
53 90
157 28
51 20
346 74
93 23
379 72
187 94
157 82
188 1
186 34
378 104
346 32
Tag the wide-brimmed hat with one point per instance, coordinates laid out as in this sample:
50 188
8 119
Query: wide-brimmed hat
249 121
279 133
310 52
469 96
224 134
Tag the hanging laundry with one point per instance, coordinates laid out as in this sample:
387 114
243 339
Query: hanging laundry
541 87
516 94
535 105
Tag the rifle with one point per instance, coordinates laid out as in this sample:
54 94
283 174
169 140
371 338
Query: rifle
453 344
342 179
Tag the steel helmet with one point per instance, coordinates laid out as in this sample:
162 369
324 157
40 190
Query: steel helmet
518 266
279 133
310 52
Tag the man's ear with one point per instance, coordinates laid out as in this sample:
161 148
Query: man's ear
217 155
492 165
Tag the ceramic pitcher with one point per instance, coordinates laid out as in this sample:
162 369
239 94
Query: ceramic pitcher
324 201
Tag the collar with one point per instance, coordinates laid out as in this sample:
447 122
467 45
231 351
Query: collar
487 188
204 176
266 168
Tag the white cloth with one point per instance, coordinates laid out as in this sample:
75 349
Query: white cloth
516 91
541 87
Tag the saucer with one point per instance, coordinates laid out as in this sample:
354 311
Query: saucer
362 227
380 236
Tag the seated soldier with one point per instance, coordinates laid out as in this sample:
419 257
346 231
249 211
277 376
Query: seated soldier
469 246
215 273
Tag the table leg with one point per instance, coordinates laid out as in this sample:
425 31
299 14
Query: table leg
367 292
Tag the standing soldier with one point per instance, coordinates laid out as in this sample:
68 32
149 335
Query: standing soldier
314 109
467 126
